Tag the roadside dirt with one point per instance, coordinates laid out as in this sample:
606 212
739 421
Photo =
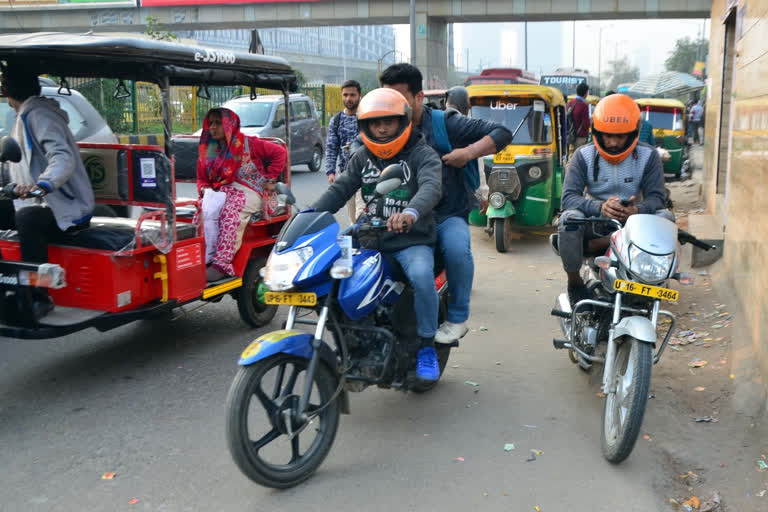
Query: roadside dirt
711 452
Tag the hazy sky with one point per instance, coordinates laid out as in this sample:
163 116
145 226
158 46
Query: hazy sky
646 43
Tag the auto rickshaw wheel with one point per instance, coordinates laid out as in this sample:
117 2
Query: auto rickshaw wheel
250 300
502 231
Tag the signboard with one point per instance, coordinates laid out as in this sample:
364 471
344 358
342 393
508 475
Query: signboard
160 3
24 5
698 68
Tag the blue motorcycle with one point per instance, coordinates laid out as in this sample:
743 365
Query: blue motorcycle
300 380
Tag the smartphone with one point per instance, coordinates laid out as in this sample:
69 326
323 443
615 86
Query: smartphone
625 202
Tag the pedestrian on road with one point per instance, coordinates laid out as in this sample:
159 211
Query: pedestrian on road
342 130
470 140
697 113
580 115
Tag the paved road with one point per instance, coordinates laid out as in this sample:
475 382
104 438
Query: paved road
146 402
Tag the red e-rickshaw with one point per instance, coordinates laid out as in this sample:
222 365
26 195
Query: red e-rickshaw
122 269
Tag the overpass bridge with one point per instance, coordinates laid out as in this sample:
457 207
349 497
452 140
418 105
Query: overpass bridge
432 16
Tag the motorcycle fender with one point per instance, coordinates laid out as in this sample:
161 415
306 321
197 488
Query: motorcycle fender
505 211
638 327
296 343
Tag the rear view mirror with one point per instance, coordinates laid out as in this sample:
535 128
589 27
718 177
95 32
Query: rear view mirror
385 187
282 189
393 171
9 150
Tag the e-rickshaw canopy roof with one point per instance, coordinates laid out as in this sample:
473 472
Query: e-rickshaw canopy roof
551 95
660 102
142 59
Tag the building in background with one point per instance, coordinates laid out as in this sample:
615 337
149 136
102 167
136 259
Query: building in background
327 54
735 180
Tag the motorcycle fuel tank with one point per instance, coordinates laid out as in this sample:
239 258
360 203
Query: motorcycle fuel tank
371 283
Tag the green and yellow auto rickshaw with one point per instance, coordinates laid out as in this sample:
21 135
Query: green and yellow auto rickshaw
667 117
525 179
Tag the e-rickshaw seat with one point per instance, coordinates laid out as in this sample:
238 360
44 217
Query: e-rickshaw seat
113 234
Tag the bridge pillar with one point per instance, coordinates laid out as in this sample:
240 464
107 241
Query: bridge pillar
432 49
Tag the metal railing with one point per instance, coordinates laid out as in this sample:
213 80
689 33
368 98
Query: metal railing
141 111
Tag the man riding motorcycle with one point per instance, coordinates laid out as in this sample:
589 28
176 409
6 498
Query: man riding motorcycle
621 177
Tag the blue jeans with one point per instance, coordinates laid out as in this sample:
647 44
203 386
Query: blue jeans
418 263
454 244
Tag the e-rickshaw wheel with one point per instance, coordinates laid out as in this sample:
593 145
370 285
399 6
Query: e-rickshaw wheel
250 302
502 230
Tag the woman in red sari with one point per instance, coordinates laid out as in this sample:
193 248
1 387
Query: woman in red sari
233 163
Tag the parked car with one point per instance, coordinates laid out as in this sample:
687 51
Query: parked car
85 122
263 117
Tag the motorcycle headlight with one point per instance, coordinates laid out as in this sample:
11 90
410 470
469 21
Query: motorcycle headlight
282 268
497 200
649 268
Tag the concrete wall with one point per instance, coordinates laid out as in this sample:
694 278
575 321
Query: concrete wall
735 184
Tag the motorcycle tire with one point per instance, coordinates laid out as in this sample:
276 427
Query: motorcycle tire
634 361
252 310
243 449
443 353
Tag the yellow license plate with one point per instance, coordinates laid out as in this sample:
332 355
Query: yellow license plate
290 299
505 156
653 292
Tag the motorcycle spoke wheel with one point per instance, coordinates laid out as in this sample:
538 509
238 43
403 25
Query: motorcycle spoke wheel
267 439
624 409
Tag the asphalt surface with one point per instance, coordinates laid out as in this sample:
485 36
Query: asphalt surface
147 402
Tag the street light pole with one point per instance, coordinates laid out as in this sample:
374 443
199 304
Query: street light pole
600 62
413 32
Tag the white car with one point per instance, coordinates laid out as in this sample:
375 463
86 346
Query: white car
85 122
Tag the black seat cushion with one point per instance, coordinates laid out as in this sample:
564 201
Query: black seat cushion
112 234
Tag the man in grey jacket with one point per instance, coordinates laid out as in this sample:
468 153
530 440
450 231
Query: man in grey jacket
621 178
384 118
50 170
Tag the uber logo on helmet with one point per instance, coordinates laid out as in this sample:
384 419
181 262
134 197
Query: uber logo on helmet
615 119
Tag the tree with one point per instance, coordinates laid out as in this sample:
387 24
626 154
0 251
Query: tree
157 34
620 71
686 53
368 79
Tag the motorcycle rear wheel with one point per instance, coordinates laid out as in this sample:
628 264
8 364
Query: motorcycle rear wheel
623 411
248 403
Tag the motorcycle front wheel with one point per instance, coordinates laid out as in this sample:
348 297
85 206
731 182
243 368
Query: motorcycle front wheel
268 441
623 411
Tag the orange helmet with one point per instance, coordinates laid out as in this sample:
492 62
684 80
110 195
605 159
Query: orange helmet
616 114
379 104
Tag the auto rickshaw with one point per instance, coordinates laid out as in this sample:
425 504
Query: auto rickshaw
667 116
525 179
122 269
435 98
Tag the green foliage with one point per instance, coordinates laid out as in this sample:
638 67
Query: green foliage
157 34
685 54
368 79
118 113
620 71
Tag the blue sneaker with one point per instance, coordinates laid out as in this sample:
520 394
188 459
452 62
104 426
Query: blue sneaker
427 367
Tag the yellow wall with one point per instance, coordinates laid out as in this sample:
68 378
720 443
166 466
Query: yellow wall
743 207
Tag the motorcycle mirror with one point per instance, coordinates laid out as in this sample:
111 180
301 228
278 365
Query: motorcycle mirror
385 187
391 172
9 150
283 189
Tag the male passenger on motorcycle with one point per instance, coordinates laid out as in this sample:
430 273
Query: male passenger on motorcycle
614 177
384 118
470 139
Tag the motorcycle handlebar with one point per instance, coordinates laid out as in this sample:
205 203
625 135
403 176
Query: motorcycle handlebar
9 192
685 237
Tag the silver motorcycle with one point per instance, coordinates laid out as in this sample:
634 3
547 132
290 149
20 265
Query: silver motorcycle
617 327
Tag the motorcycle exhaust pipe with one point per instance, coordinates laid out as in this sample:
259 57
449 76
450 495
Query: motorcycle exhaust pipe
562 310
